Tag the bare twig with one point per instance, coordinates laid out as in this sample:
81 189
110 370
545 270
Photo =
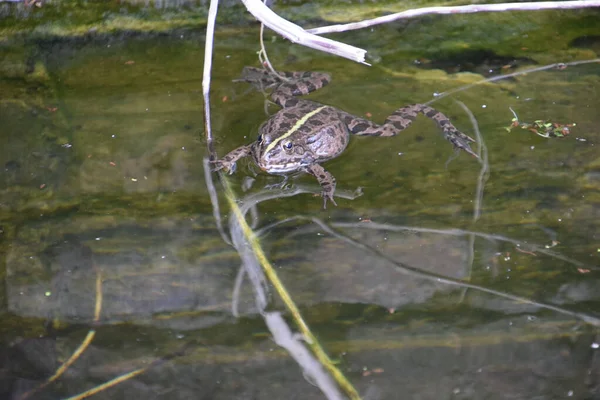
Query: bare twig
264 57
237 288
432 276
561 66
247 244
208 52
297 34
405 228
473 8
413 271
483 175
461 232
127 376
82 347
210 33
483 160
285 338
214 200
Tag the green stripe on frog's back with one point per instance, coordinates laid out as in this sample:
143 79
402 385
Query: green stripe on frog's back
293 129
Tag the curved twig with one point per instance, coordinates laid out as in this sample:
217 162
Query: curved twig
473 8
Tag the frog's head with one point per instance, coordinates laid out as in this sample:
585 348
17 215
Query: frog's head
280 154
298 137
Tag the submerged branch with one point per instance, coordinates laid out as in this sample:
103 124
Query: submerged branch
258 266
432 276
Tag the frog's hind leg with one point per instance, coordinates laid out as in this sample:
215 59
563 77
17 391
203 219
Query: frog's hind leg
303 82
286 85
401 119
260 78
326 180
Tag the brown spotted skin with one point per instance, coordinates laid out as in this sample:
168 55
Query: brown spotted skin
402 118
326 180
304 134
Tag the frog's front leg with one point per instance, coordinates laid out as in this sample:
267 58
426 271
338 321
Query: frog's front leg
326 180
402 118
228 162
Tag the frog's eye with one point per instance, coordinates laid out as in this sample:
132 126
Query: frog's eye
259 139
287 144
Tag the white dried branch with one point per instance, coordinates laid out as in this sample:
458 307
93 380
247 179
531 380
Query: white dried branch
297 34
473 8
207 70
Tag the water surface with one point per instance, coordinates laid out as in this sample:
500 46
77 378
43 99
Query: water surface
101 154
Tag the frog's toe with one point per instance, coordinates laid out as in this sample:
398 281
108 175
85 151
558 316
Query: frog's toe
216 165
466 137
460 141
465 146
328 196
221 165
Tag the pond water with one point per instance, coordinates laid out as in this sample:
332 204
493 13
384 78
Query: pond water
103 196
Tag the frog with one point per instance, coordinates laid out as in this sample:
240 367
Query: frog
303 134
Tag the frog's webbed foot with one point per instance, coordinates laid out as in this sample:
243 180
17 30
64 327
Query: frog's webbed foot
229 167
328 195
260 78
326 180
459 140
228 162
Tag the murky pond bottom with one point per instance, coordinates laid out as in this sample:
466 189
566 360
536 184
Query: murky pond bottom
107 225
